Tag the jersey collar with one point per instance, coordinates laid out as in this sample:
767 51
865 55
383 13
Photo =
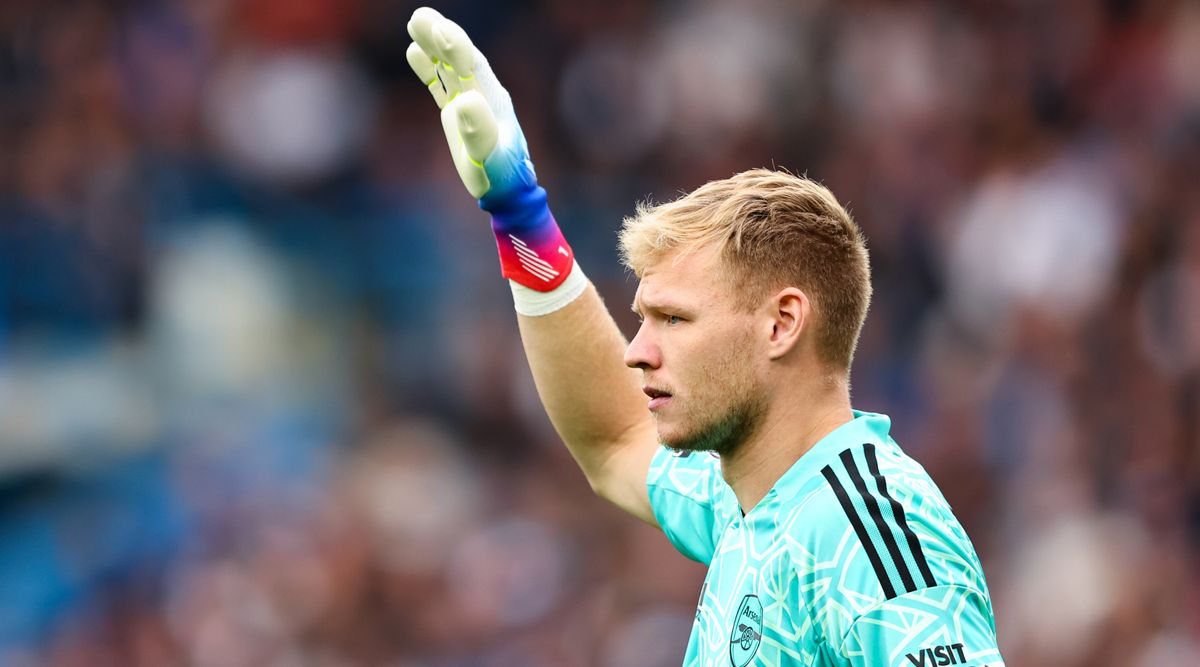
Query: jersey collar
865 427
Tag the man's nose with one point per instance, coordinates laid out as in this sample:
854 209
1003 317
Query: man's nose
642 352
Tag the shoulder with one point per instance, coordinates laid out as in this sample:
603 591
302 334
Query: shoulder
870 527
693 475
854 495
691 501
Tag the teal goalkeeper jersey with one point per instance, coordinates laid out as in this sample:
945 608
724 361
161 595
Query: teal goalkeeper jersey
853 558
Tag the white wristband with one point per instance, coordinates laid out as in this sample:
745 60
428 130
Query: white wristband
534 303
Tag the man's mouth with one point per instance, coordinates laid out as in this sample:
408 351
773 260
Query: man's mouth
658 397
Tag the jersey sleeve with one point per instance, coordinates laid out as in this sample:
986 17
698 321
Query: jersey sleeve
691 501
931 627
907 590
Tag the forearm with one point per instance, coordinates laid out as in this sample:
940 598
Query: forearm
595 402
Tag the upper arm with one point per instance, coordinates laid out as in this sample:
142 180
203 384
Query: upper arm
683 494
910 591
691 501
621 479
942 625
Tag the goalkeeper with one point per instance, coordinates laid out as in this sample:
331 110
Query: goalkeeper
726 421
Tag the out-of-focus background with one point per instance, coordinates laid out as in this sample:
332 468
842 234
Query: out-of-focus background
262 399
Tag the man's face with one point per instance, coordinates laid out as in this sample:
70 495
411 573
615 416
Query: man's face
699 355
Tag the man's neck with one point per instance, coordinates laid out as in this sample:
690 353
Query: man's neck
789 429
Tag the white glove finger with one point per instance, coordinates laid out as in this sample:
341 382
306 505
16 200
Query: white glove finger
464 59
420 28
476 125
469 170
420 63
458 53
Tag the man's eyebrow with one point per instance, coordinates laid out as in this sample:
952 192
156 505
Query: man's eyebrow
658 307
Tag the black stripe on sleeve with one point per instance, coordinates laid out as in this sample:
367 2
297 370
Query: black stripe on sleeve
861 531
898 511
876 512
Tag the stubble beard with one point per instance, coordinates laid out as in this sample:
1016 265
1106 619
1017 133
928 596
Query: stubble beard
725 434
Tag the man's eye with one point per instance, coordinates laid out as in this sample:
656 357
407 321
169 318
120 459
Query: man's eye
674 319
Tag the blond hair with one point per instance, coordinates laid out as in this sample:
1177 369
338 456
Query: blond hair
773 230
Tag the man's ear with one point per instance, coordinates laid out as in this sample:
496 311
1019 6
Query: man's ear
790 312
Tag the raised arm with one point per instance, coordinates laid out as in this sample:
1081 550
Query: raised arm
573 345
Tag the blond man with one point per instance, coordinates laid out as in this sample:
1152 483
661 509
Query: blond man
726 421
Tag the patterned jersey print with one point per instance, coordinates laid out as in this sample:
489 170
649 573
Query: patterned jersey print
852 558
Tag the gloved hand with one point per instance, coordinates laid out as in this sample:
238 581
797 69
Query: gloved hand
489 150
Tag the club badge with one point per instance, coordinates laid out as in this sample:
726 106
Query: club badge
746 634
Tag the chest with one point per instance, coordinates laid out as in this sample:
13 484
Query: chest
751 611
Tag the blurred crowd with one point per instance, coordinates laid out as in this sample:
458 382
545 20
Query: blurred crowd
262 399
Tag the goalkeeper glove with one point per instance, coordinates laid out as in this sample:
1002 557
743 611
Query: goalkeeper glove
492 158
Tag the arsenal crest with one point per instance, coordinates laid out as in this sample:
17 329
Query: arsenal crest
746 634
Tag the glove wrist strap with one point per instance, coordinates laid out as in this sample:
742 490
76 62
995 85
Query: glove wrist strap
534 303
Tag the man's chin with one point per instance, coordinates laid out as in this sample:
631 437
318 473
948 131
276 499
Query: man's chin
678 440
723 436
667 439
674 439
